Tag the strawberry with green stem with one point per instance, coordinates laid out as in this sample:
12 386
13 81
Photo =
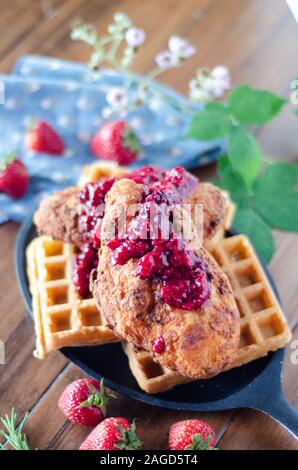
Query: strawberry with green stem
41 137
191 434
116 141
113 434
84 401
14 178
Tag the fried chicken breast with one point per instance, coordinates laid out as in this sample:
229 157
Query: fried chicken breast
57 215
198 343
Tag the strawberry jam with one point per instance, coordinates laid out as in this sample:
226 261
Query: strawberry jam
159 345
91 212
169 263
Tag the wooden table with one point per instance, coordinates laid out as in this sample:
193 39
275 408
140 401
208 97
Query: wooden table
256 40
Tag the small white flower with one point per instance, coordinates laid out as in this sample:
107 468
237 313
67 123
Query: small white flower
122 19
117 98
135 37
221 73
210 85
199 94
165 60
180 47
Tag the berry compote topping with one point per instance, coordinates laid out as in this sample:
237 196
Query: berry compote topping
146 175
90 214
159 345
169 262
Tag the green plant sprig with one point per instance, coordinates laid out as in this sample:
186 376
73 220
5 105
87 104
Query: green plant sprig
13 433
265 193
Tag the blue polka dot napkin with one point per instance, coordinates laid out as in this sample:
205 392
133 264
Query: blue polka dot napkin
69 97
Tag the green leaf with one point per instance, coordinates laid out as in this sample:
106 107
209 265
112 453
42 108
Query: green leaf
244 153
275 197
279 177
248 222
211 123
231 181
254 106
278 210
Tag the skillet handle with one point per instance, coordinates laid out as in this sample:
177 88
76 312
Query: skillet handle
282 411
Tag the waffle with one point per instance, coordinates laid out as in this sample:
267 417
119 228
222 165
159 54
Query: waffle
263 325
99 170
61 317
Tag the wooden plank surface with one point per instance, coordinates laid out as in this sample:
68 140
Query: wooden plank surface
256 40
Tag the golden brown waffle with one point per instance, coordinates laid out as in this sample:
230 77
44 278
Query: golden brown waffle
99 170
263 325
61 318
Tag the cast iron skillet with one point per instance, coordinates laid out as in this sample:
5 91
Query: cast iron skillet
256 385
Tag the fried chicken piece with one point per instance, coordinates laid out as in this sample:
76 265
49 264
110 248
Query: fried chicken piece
199 343
57 215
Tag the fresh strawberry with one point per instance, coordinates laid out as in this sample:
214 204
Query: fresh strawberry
84 402
191 434
41 137
113 434
116 141
14 178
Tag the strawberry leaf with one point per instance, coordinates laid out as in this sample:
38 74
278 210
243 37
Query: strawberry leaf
131 141
243 153
251 106
128 439
275 196
232 181
98 398
211 123
9 158
198 443
251 224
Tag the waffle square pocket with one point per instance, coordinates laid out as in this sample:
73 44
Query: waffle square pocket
61 317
